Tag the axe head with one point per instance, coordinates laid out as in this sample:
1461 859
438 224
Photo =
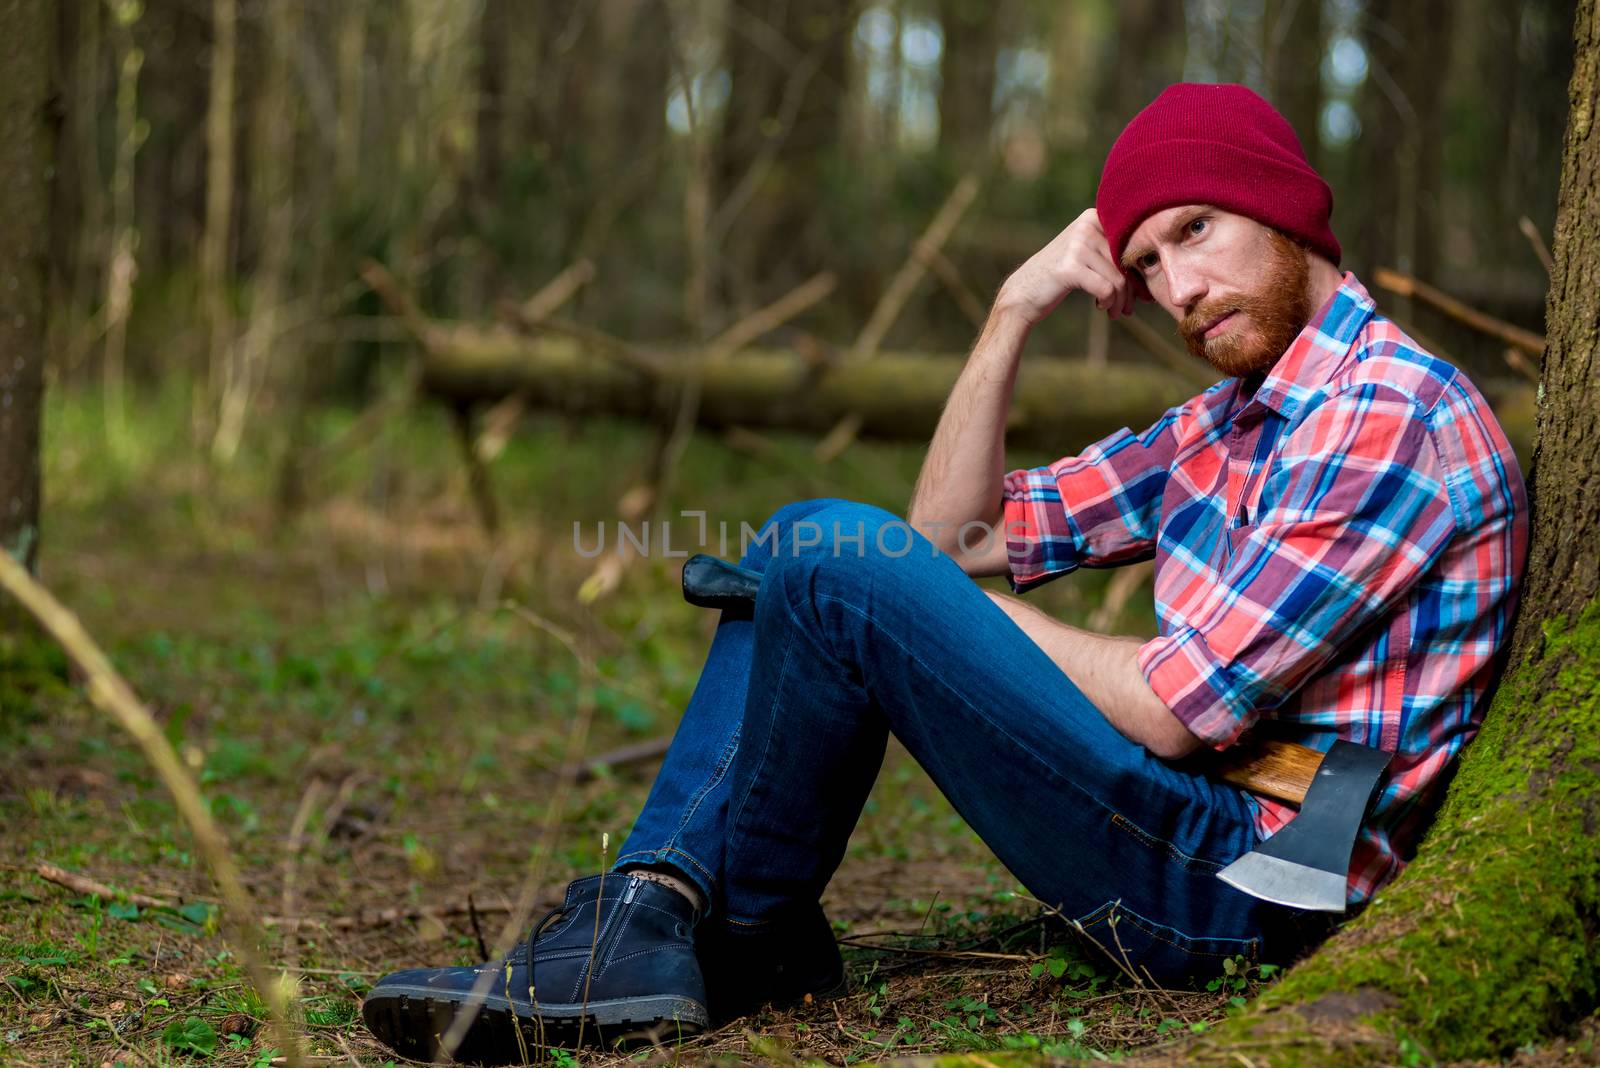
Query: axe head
1306 865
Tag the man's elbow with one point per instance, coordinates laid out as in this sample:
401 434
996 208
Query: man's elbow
1172 741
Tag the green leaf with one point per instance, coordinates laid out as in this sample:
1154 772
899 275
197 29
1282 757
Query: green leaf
193 1035
123 910
1058 967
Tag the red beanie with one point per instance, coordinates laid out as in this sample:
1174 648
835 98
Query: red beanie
1214 144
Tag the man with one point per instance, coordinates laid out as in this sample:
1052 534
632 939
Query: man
1339 529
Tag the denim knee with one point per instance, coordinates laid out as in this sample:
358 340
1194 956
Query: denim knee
777 531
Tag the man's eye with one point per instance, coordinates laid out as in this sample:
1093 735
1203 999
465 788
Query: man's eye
1146 262
1197 226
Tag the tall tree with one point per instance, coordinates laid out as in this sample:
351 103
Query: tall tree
1488 940
1151 43
1402 121
27 151
1292 48
783 122
967 77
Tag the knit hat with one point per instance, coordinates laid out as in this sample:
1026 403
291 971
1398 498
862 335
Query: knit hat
1214 144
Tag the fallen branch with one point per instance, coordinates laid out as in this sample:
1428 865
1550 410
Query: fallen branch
82 884
893 302
556 292
949 277
1156 343
1406 286
625 756
904 283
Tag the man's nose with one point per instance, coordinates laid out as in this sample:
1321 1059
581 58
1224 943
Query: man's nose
1185 286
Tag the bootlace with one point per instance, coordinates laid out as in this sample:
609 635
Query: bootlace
538 929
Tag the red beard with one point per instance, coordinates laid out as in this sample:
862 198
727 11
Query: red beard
1276 314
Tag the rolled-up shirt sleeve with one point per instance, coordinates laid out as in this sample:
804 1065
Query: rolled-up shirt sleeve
1097 509
1356 509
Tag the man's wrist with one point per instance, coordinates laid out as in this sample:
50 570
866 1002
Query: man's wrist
1011 311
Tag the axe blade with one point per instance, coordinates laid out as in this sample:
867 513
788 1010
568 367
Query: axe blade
1306 865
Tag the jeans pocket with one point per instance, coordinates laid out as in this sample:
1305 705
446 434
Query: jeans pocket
1154 952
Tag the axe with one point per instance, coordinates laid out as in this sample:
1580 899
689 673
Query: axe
1304 866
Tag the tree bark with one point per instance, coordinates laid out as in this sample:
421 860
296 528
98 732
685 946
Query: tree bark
27 147
1487 941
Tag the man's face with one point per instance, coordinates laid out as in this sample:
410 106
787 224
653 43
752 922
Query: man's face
1240 291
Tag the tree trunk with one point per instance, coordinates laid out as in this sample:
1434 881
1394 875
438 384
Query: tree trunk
966 79
1487 941
27 29
1292 50
1151 46
783 124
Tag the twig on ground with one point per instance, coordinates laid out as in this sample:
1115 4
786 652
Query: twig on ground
624 756
291 865
111 694
82 884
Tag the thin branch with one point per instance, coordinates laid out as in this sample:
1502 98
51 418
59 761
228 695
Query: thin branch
1168 353
1531 231
623 353
1407 286
913 269
556 292
765 320
949 277
111 694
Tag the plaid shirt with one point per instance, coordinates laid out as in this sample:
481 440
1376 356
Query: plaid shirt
1338 555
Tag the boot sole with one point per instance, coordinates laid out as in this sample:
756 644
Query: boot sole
411 1020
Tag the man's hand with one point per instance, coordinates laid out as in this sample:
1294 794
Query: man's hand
1106 670
1078 258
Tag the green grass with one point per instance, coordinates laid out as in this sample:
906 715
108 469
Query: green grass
349 666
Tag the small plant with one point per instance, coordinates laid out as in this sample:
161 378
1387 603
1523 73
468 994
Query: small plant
191 1035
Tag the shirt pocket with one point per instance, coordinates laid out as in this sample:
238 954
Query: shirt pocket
1236 537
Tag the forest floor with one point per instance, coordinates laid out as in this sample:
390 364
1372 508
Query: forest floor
379 717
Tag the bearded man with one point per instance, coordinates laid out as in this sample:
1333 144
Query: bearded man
1339 529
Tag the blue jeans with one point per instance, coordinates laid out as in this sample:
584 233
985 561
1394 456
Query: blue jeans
861 630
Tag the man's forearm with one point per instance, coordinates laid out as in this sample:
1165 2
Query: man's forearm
960 478
1106 670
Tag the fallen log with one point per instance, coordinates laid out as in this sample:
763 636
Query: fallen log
1060 404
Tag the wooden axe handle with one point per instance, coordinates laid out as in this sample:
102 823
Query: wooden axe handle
1279 770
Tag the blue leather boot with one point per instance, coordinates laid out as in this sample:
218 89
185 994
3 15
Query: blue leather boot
609 966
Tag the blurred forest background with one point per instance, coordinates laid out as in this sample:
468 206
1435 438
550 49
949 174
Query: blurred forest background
229 164
282 230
